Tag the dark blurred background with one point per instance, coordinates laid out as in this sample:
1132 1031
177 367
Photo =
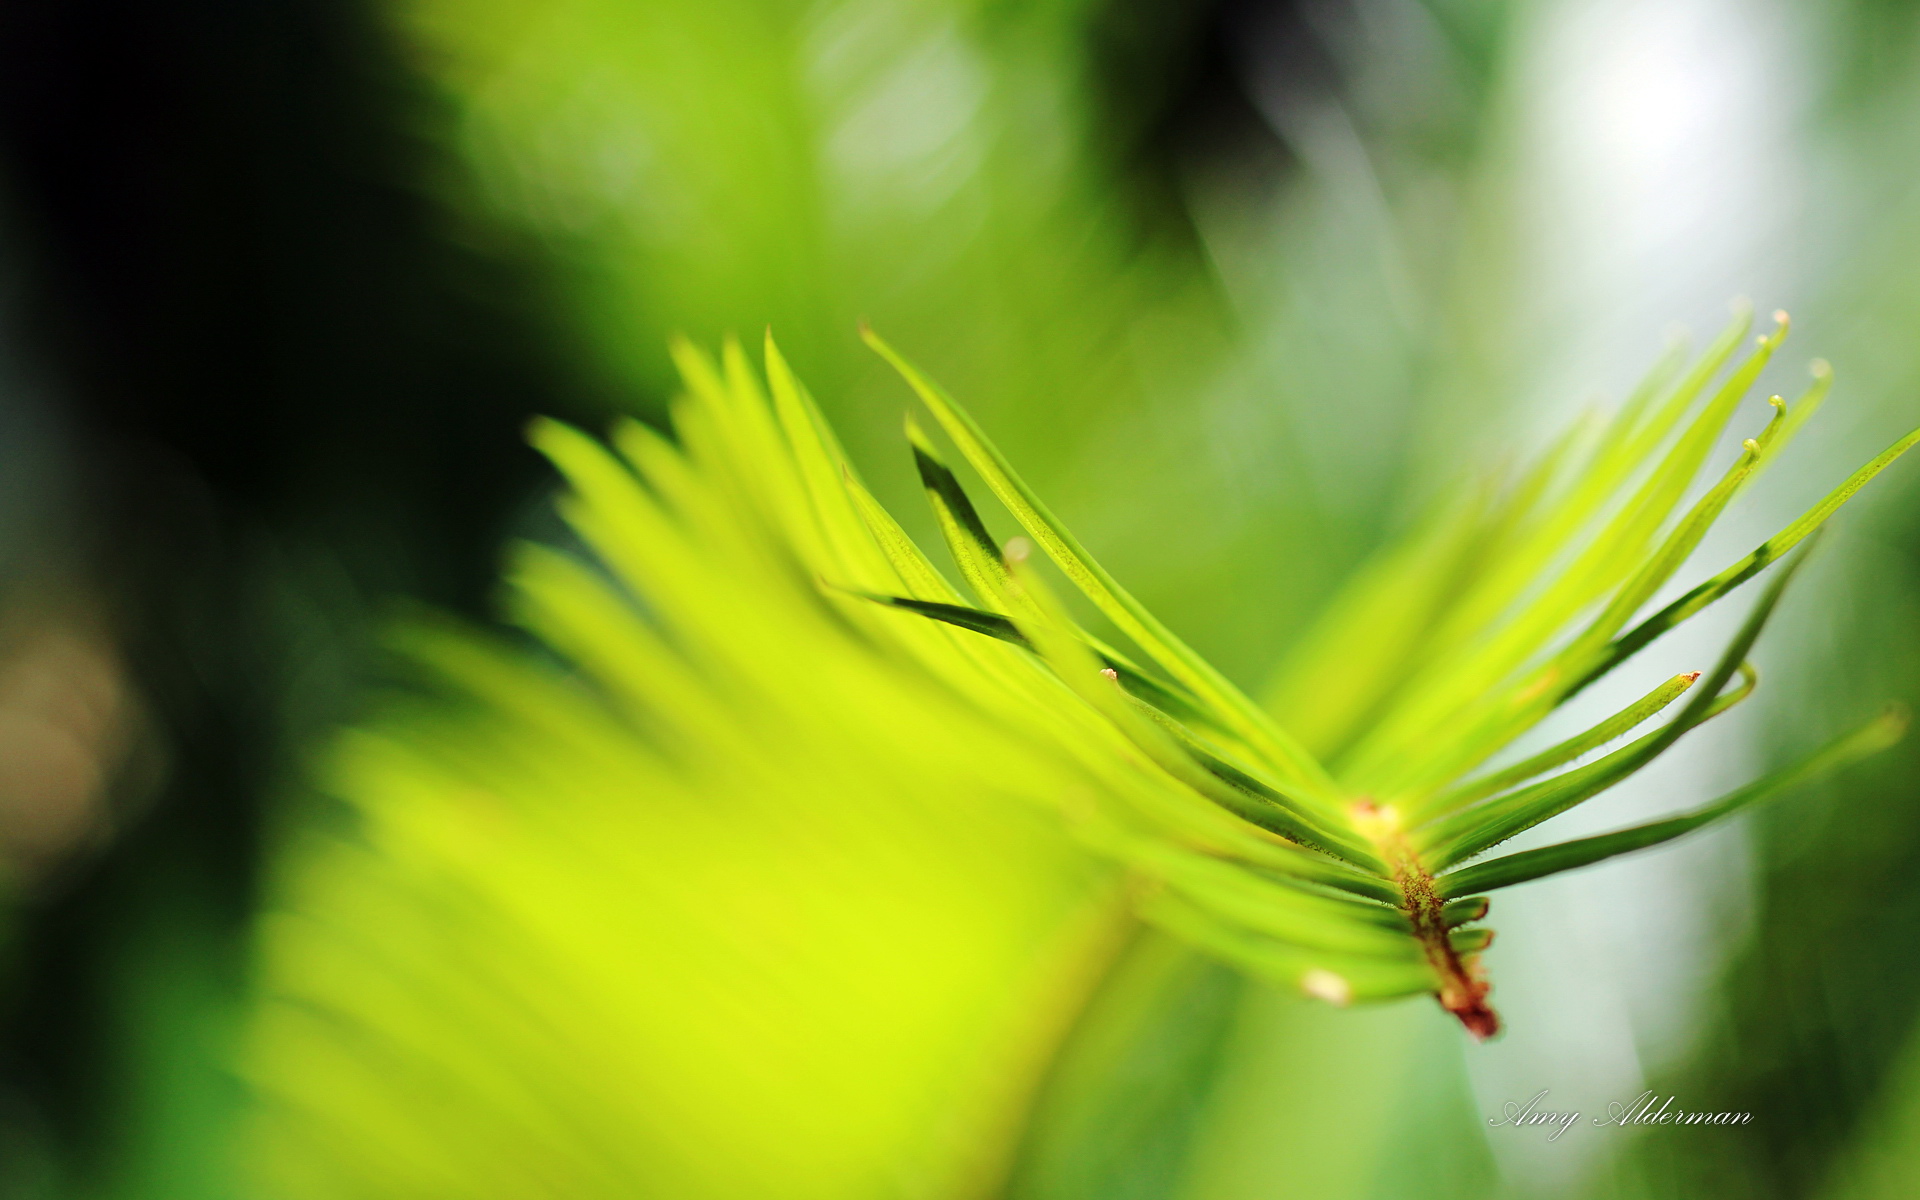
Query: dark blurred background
259 384
262 380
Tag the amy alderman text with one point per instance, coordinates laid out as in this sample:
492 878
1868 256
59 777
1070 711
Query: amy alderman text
1646 1109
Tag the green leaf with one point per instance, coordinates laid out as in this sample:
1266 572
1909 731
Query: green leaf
1672 552
1482 639
966 534
1360 652
1808 523
1871 738
1477 829
1799 412
1141 685
1040 619
1325 975
1470 941
909 563
825 470
1312 919
1464 910
1575 746
1236 711
1481 699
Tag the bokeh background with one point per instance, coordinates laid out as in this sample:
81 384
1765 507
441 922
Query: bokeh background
1240 285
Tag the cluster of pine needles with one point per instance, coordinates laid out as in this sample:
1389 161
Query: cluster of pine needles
1336 835
1361 871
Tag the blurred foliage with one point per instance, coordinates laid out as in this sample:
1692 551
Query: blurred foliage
254 386
942 170
747 729
955 172
767 888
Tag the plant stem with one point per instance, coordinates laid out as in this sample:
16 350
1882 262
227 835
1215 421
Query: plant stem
1463 989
